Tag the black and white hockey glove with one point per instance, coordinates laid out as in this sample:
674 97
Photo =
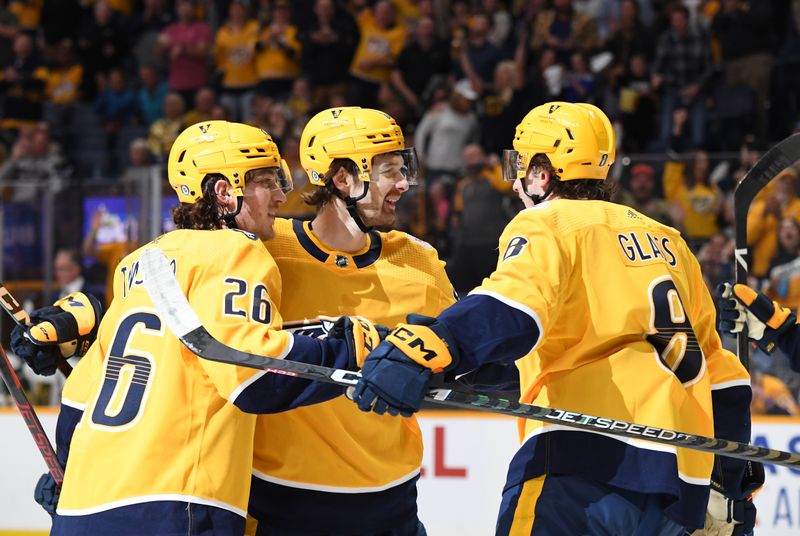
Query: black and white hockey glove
730 517
66 329
744 308
361 336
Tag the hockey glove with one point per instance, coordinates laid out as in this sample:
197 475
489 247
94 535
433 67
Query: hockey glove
47 493
729 517
395 376
765 320
66 329
360 335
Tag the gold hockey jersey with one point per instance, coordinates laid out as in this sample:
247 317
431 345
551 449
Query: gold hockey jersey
333 447
612 312
155 422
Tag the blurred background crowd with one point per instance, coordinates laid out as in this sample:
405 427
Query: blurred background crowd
92 94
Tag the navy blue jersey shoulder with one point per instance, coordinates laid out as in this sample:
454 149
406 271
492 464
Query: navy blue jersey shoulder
487 330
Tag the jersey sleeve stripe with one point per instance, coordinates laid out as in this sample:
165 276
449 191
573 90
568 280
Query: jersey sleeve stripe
334 489
732 383
151 498
244 385
71 403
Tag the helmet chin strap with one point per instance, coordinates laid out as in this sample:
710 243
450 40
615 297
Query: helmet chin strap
230 217
539 198
350 205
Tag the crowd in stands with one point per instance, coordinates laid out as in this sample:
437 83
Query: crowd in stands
697 89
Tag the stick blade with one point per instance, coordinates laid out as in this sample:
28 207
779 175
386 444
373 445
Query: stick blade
166 293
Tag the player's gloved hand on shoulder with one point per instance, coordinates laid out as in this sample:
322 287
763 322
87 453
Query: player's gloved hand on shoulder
47 493
730 517
66 329
742 308
395 376
360 335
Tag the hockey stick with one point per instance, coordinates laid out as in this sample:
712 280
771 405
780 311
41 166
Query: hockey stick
174 308
14 386
13 308
11 380
768 166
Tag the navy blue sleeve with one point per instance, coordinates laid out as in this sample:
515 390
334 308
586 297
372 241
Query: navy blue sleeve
789 343
275 392
68 419
487 330
731 421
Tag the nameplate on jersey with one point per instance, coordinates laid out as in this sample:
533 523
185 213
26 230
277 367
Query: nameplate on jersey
640 248
515 246
131 277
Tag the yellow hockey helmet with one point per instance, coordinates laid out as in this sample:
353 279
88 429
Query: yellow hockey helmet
354 133
577 138
230 149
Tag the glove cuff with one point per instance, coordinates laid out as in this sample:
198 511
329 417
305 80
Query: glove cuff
427 342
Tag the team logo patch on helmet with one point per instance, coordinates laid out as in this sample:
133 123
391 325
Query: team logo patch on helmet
515 247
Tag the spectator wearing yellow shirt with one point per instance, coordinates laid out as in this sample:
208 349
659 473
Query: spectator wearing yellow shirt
700 201
64 79
22 85
382 40
164 131
234 51
204 101
28 13
278 59
62 86
777 202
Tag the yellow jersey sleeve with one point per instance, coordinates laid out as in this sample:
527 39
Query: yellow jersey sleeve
529 241
232 295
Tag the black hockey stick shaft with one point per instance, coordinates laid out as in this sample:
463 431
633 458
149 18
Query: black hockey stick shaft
13 308
174 308
775 160
11 380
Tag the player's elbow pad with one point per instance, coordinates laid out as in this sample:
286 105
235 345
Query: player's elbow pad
427 342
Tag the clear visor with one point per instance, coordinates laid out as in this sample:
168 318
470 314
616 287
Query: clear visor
397 169
513 166
274 178
284 177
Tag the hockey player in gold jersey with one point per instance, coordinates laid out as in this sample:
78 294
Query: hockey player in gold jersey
609 314
329 468
157 441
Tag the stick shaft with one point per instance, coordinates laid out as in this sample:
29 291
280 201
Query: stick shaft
173 306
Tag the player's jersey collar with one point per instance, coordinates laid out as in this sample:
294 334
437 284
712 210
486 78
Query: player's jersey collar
360 259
